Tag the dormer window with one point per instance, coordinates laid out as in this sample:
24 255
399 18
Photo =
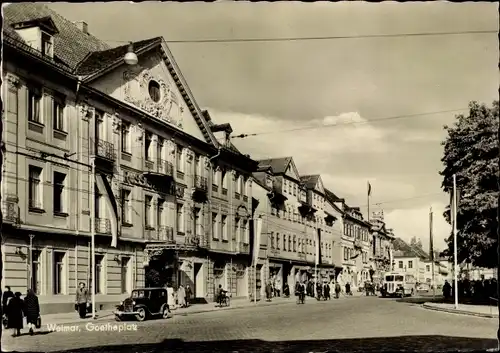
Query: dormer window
47 45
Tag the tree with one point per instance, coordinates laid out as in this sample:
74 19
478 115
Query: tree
471 152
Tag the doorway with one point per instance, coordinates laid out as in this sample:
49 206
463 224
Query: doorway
198 280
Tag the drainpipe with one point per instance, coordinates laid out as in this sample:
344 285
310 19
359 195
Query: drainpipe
217 155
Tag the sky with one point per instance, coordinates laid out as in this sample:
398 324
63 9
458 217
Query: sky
269 87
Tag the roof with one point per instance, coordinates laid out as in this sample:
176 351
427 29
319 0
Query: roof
260 180
278 165
98 60
71 45
309 181
330 196
403 249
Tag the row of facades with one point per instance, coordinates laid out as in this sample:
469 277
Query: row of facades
185 196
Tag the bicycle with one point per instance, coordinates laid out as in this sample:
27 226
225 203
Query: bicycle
225 301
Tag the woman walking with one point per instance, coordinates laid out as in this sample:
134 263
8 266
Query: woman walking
15 314
31 310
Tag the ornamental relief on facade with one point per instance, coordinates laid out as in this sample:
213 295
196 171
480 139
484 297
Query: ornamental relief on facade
153 95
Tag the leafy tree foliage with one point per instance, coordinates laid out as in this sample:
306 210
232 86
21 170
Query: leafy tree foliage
471 151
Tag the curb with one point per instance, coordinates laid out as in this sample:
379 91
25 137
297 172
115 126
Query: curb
463 312
230 308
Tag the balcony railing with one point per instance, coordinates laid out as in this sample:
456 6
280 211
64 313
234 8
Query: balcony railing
237 195
166 234
165 167
192 240
102 225
148 165
10 211
200 183
104 149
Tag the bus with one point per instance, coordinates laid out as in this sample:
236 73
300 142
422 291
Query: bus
398 284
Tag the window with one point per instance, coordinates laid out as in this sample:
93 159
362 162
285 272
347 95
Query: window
197 221
35 187
159 148
148 200
159 212
236 228
197 165
59 179
245 232
124 275
400 264
36 273
428 268
126 207
345 253
180 218
278 240
59 275
154 91
410 264
289 243
284 243
294 243
125 137
178 159
34 103
294 190
215 176
215 233
224 227
46 44
147 145
58 113
97 202
272 240
99 274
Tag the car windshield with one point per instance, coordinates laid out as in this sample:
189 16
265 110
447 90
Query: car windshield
399 278
389 278
138 294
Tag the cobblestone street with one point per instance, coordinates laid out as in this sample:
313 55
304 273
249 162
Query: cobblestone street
347 324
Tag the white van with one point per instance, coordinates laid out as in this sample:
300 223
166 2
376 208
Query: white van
398 284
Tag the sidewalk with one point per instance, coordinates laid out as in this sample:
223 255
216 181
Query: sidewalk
465 309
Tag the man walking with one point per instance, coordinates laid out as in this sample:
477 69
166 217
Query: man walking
82 299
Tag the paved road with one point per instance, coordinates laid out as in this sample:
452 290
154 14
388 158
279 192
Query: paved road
349 324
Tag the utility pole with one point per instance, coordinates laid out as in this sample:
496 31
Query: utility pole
455 251
92 236
431 250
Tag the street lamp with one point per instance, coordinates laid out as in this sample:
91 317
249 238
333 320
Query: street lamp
131 57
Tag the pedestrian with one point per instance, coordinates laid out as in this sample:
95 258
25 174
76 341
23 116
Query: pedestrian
286 290
326 291
7 295
338 289
15 314
189 292
82 300
31 310
348 288
269 291
181 296
446 289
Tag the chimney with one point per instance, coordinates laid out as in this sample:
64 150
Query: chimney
82 26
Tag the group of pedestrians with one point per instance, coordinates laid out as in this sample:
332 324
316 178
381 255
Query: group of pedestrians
475 291
15 309
180 296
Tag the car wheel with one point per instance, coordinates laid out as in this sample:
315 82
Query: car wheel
165 312
118 318
141 314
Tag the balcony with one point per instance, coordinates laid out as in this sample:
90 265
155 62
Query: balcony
10 212
165 167
192 240
166 234
358 244
102 226
241 247
148 165
200 189
103 150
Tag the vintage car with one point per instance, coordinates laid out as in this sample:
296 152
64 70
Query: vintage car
144 303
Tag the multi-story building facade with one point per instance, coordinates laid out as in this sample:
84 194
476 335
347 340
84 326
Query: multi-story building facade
411 264
356 242
382 245
170 192
294 213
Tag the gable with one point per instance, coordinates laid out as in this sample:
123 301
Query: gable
291 171
131 85
319 186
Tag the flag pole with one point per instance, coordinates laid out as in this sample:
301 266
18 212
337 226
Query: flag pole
368 200
92 236
455 252
431 248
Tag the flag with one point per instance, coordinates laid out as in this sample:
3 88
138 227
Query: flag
105 189
318 247
453 207
256 231
369 189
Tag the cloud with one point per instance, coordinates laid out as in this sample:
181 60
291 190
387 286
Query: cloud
408 223
352 134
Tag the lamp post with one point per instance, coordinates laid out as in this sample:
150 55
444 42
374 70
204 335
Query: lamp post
92 237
